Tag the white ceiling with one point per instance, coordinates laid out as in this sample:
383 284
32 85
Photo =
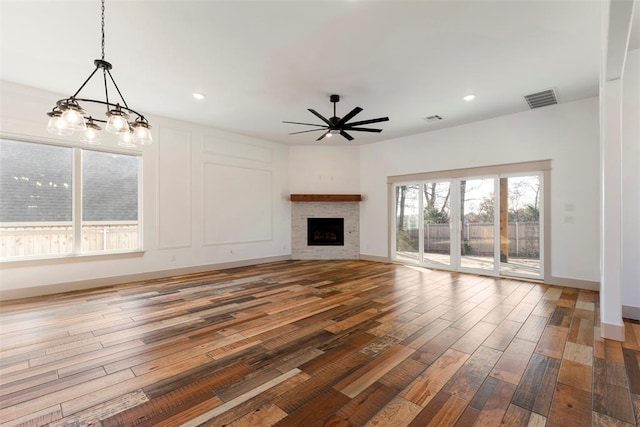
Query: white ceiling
262 62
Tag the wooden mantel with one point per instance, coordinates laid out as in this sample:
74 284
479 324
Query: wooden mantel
325 197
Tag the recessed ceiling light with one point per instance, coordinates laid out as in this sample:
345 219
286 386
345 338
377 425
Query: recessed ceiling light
198 96
469 97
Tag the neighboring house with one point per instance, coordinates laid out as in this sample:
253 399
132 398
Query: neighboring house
36 189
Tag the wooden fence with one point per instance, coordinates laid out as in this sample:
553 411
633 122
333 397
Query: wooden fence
25 239
478 239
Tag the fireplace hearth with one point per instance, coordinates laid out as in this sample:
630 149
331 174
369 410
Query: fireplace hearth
303 211
325 231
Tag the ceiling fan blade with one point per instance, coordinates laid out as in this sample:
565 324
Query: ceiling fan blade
365 130
318 115
366 122
323 135
346 135
308 124
305 131
349 116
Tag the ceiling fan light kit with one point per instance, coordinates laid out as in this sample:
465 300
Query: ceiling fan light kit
67 116
337 125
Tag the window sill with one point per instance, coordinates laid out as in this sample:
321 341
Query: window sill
16 262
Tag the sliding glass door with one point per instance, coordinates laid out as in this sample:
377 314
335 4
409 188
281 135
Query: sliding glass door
520 225
407 223
436 214
482 224
478 228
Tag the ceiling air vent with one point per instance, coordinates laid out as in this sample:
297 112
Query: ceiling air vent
541 99
434 118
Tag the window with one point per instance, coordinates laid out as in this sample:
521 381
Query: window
109 201
44 188
36 188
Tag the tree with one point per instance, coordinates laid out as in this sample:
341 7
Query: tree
436 202
528 213
435 216
486 211
524 194
406 210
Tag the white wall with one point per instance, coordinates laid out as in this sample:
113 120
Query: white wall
181 227
631 186
325 169
565 133
210 197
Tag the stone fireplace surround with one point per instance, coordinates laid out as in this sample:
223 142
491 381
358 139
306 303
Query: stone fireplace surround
305 206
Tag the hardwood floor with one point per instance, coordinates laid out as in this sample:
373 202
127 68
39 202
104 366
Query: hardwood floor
336 343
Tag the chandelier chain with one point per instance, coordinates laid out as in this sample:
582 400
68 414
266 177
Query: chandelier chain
102 16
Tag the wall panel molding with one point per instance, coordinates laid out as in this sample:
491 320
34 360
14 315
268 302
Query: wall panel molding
233 148
250 217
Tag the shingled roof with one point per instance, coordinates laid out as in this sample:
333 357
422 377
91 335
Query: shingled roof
36 184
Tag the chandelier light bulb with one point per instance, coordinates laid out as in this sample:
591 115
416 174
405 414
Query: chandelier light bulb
56 125
125 139
91 134
117 122
73 116
141 133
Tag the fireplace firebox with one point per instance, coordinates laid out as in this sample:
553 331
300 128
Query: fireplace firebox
325 231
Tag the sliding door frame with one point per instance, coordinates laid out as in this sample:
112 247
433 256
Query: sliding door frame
541 167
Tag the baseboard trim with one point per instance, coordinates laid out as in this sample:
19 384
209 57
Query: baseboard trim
551 280
573 283
38 291
374 258
631 312
612 331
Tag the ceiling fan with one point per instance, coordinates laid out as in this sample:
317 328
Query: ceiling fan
335 125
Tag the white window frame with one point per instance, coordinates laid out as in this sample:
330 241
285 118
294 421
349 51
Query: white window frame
76 201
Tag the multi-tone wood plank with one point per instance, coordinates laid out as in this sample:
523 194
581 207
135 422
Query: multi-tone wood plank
340 343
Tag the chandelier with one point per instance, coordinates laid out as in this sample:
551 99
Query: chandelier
68 116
